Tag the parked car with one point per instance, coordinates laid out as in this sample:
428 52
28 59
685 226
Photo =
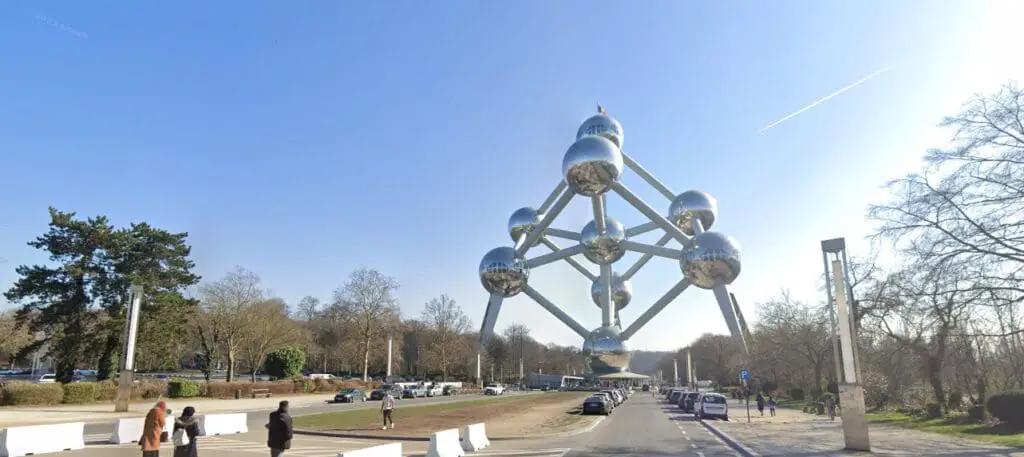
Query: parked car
673 398
450 390
350 396
46 379
607 397
711 405
494 388
597 404
686 401
434 391
378 394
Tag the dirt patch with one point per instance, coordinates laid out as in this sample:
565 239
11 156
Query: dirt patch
510 416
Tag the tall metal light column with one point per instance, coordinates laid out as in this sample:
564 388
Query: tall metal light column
391 339
131 330
851 392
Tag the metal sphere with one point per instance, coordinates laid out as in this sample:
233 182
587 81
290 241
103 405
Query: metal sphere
622 291
501 272
690 205
607 352
714 259
591 165
603 248
602 125
522 221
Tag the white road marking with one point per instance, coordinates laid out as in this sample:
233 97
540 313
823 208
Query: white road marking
687 438
700 454
693 446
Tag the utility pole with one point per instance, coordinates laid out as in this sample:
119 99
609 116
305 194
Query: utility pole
390 341
689 372
675 372
131 331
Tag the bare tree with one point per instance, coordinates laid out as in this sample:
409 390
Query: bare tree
225 304
15 338
447 322
792 329
368 300
308 308
267 328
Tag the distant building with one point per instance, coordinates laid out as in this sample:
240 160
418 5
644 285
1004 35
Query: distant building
551 381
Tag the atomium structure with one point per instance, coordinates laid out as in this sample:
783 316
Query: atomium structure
592 168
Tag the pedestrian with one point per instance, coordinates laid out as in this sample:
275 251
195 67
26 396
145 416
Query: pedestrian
279 430
152 428
186 429
830 407
387 405
771 405
760 403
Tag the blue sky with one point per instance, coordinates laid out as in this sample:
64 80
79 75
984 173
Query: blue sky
302 140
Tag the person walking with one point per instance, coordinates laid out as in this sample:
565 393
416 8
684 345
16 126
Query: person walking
279 430
387 405
830 407
186 429
771 405
760 403
152 428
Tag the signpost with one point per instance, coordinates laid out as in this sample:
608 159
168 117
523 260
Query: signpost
745 377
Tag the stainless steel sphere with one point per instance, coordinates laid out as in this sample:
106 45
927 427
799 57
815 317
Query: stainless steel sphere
522 221
603 248
622 291
713 260
502 272
607 353
602 125
690 205
591 165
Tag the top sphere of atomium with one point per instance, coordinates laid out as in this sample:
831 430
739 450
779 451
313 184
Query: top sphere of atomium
501 272
690 205
603 248
521 222
607 352
713 260
591 165
602 125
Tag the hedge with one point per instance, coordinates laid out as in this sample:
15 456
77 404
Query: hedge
26 393
1008 407
183 388
80 392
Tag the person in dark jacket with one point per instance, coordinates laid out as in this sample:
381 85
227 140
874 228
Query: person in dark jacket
279 430
190 425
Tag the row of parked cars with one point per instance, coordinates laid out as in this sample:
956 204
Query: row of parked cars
605 401
354 395
703 405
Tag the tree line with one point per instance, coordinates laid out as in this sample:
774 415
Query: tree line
942 326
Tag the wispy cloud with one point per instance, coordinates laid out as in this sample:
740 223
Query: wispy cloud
61 26
822 100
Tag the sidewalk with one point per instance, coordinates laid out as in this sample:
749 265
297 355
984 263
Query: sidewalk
104 412
796 433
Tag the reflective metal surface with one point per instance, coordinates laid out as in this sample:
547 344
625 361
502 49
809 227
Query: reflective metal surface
606 352
591 165
501 272
602 125
603 248
693 204
714 259
622 291
521 221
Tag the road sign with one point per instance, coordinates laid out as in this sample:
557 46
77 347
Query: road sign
744 375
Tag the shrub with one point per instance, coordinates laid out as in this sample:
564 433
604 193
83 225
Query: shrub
147 389
26 393
222 389
1008 407
933 410
183 388
285 363
819 408
797 394
80 392
769 387
976 413
955 401
106 391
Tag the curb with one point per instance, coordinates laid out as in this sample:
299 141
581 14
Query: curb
587 429
730 441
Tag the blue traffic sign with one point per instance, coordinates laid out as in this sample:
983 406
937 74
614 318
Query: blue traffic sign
744 375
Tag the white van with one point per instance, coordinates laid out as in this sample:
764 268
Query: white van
711 405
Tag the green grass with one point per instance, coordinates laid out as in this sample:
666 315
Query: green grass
954 426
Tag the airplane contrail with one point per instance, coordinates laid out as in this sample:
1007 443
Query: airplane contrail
823 100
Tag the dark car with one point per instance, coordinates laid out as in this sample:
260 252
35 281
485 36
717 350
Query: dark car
350 396
647 387
378 394
450 390
686 401
598 404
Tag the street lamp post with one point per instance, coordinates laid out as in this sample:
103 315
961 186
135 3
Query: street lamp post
126 378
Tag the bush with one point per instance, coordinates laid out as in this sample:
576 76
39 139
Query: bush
222 389
1008 407
797 394
183 388
26 393
933 410
955 402
147 389
106 391
816 394
285 363
80 392
819 408
976 413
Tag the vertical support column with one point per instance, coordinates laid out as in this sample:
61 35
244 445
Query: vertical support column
131 324
689 371
479 380
390 342
851 393
675 372
832 316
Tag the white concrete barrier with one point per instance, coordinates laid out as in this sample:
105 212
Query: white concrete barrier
129 430
223 424
41 439
474 437
384 450
445 444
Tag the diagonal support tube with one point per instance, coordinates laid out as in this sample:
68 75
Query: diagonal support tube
641 229
607 307
554 256
582 269
651 214
555 311
490 318
538 230
643 173
646 258
574 236
552 197
655 309
728 312
659 251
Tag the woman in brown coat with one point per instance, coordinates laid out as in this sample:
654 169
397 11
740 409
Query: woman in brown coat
152 429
